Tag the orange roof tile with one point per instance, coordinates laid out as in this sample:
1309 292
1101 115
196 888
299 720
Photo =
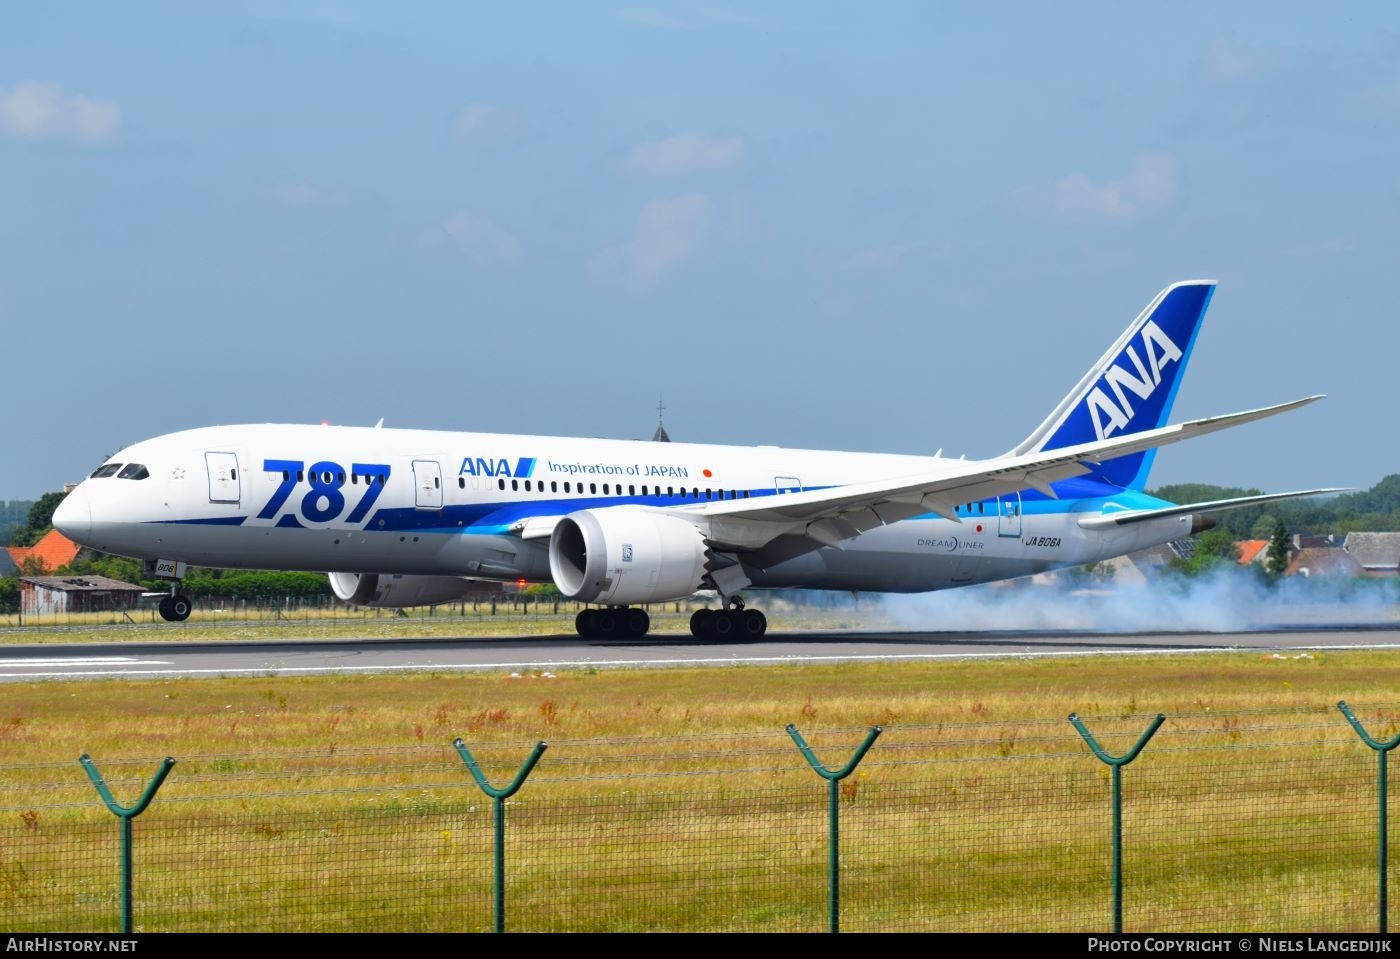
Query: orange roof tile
1250 548
54 550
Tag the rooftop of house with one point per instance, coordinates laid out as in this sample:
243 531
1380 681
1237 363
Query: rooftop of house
82 584
1250 550
1322 561
53 551
1374 551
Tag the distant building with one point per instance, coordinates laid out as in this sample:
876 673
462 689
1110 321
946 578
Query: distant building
1306 540
1145 565
1377 554
76 594
660 436
1154 559
1322 561
1126 571
1356 554
53 551
1253 551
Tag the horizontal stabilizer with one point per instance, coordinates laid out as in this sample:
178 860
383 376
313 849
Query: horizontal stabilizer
1126 517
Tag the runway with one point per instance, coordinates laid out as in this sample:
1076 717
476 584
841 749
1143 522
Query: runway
568 652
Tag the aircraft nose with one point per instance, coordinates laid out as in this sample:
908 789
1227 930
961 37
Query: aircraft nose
73 518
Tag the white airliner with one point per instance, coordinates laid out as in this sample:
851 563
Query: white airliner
409 517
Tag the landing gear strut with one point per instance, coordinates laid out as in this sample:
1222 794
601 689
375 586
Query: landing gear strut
610 622
734 623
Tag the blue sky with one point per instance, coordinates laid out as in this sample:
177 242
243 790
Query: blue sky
887 227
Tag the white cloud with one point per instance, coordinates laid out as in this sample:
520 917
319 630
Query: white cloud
1149 185
670 231
41 111
686 153
482 241
662 20
875 259
651 17
1228 63
305 195
1388 95
479 122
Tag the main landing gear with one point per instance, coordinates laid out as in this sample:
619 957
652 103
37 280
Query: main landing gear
629 622
734 623
609 622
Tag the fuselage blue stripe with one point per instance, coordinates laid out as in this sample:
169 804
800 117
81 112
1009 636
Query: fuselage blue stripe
208 521
1077 495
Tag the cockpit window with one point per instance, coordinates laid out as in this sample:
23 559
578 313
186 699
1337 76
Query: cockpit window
102 472
133 471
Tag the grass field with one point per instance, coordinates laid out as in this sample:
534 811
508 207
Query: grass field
47 720
674 798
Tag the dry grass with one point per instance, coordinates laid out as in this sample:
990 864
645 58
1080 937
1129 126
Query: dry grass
673 799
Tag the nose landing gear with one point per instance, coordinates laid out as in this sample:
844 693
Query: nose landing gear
733 623
176 607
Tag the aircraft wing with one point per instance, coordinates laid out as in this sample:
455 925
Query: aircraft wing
827 517
1127 516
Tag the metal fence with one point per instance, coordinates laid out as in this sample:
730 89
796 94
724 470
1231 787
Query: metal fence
510 611
213 610
1262 821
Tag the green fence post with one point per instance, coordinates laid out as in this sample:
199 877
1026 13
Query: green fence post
1382 828
1117 764
125 815
834 776
500 796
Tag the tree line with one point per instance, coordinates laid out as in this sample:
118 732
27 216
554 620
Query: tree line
1376 510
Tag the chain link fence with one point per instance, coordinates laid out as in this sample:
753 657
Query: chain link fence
1264 821
215 610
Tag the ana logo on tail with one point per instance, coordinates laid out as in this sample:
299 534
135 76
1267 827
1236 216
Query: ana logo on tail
1132 386
1112 414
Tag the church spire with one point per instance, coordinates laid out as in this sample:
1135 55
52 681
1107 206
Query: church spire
660 435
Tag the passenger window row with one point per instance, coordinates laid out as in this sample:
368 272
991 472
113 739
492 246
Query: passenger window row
613 489
327 478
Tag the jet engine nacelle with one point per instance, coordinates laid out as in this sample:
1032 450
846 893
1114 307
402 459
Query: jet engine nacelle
622 555
395 592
